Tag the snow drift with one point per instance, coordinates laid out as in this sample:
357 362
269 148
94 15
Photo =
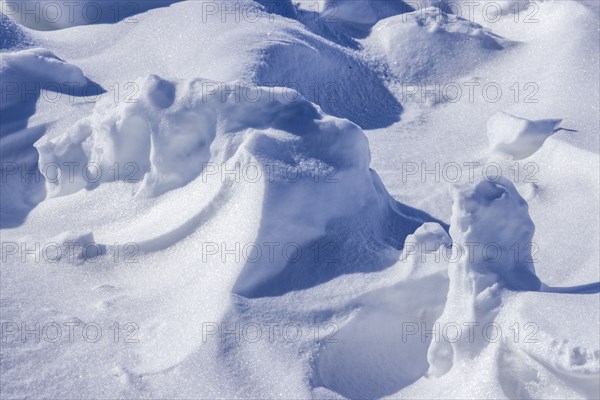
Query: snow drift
245 200
180 131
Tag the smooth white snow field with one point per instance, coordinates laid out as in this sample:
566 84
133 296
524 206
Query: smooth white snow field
283 199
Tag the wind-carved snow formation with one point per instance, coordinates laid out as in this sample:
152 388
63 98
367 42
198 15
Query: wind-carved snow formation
518 138
297 158
24 73
240 174
492 215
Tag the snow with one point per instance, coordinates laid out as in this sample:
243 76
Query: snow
11 34
492 235
449 46
363 12
253 199
28 71
50 15
518 138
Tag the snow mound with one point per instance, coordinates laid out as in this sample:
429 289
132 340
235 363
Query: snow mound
518 138
28 72
432 45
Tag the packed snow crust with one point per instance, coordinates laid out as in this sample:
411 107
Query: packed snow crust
199 186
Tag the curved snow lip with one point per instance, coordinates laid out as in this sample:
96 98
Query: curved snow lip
38 69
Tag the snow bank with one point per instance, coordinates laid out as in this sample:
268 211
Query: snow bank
518 138
189 153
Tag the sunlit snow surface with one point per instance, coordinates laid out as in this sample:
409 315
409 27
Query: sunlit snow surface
316 199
